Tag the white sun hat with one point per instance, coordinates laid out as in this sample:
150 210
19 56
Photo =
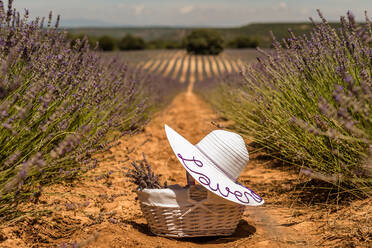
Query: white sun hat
216 163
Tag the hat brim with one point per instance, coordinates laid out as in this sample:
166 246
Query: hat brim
204 172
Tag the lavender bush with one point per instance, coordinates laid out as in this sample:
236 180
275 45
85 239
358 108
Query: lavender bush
309 101
58 102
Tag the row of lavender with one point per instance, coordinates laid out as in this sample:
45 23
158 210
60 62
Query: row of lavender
309 101
60 103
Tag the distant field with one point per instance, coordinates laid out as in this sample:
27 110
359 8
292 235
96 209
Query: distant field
257 30
177 64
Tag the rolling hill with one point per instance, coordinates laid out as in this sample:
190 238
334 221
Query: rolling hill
256 30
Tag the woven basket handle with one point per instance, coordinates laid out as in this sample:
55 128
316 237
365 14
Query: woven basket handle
189 199
197 204
190 180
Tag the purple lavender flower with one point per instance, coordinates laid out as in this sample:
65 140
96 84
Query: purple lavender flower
59 100
310 97
349 79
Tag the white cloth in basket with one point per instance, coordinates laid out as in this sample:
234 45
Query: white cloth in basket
176 196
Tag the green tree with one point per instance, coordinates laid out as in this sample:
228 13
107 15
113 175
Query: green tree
106 43
172 44
204 41
130 42
244 41
164 44
156 44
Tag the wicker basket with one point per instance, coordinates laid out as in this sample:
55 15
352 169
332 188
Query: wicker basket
188 212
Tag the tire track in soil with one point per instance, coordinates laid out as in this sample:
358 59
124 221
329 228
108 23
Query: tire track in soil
170 67
163 65
184 69
234 65
214 68
207 66
192 76
200 72
227 63
178 68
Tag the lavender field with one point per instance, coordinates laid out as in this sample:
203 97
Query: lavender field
185 68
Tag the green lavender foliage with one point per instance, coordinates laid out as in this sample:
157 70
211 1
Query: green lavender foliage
61 102
309 100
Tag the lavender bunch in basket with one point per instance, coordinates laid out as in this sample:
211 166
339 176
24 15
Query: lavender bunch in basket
142 175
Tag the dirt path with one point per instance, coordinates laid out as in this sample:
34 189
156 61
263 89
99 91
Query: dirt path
100 210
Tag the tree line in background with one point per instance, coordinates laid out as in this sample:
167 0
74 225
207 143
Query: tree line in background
200 41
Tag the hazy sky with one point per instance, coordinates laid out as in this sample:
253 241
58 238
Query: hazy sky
190 12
